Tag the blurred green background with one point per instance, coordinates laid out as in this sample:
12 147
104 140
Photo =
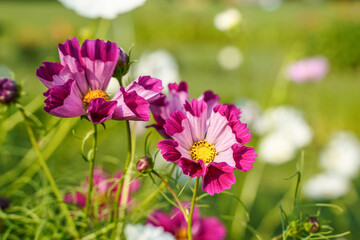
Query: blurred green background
269 40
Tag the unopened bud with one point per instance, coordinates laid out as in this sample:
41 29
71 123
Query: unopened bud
4 203
8 91
312 225
122 65
144 165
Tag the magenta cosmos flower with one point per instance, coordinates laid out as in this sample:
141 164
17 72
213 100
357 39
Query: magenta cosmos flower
77 86
105 187
308 70
178 95
209 228
210 148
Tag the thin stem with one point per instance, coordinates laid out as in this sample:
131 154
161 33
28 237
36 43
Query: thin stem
149 199
91 174
48 175
192 208
120 191
173 194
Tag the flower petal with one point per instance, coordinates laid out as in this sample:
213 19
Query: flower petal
218 177
219 132
211 100
75 198
63 101
169 150
53 74
100 110
70 56
211 229
178 94
191 167
241 131
243 156
99 59
230 111
130 106
196 113
147 87
159 218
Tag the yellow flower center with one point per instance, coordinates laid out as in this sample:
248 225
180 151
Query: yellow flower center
181 234
95 94
204 151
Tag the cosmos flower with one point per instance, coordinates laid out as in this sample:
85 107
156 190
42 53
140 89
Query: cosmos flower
178 95
8 90
203 228
78 85
228 19
160 64
326 186
108 9
342 155
211 148
105 187
308 70
146 232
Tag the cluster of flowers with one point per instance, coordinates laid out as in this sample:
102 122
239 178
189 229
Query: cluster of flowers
105 186
206 139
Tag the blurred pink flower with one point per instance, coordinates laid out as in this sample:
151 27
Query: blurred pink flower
105 186
207 228
308 70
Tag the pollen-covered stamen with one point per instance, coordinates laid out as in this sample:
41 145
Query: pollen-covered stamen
95 94
204 151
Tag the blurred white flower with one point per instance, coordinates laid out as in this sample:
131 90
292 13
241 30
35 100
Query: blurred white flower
228 19
250 111
230 57
342 155
158 64
146 232
326 186
288 121
308 70
275 148
108 9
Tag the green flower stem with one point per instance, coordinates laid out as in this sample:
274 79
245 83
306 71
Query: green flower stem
150 198
124 184
174 195
48 175
49 145
91 174
247 196
192 209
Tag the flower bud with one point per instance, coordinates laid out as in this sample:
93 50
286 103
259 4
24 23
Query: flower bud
8 91
312 225
122 65
144 165
4 203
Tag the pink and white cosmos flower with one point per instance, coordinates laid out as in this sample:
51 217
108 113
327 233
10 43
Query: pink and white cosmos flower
77 86
178 95
209 148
